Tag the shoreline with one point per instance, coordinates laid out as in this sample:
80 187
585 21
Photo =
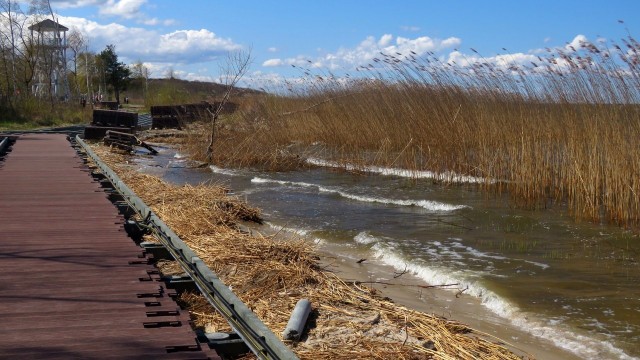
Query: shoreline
465 309
351 321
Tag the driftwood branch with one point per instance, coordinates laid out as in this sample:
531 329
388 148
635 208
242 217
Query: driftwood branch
461 291
406 331
413 285
398 274
455 225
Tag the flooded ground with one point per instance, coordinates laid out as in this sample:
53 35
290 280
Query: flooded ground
571 285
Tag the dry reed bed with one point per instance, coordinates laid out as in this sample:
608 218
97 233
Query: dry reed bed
349 321
561 131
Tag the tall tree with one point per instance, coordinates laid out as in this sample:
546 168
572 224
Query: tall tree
76 42
141 74
117 74
10 11
87 70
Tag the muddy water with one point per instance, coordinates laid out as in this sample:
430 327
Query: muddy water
572 285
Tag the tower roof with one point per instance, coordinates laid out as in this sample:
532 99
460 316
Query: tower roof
48 25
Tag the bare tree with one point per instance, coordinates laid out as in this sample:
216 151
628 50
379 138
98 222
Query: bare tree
170 73
77 43
10 11
141 73
22 52
41 7
236 66
29 53
86 71
89 70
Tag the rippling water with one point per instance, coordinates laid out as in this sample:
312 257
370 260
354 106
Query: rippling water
574 284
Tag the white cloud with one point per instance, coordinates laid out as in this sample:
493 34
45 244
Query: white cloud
368 49
385 40
271 82
133 43
450 42
198 77
126 9
576 43
65 4
502 61
272 49
203 42
297 61
157 70
151 22
191 76
273 62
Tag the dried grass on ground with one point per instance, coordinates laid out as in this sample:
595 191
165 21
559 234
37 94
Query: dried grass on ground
349 321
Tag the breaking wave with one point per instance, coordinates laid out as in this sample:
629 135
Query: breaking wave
549 329
426 204
448 176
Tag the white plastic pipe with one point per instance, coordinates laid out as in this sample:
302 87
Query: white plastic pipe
297 321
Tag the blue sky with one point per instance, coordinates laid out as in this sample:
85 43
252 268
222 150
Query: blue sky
192 37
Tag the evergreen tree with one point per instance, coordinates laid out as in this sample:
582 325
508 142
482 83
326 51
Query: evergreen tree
117 74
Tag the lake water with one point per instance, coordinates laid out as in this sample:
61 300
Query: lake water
576 285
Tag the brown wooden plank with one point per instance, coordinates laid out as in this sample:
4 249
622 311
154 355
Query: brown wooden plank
69 289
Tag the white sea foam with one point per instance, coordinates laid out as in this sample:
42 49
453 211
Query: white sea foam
426 204
365 238
480 254
222 171
178 156
538 264
561 336
304 233
413 174
259 180
477 253
444 251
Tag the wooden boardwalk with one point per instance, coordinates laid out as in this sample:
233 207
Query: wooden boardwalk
74 285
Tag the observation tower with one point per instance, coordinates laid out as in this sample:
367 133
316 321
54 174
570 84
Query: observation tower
50 71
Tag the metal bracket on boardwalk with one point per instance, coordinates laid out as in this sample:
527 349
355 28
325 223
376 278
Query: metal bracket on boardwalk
4 144
126 141
257 336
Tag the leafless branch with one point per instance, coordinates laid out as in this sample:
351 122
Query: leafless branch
398 274
236 67
459 293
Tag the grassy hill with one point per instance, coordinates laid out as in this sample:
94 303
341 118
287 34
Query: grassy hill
177 91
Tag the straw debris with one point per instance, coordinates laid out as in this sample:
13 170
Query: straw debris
348 321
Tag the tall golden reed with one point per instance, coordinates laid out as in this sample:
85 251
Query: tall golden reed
562 130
